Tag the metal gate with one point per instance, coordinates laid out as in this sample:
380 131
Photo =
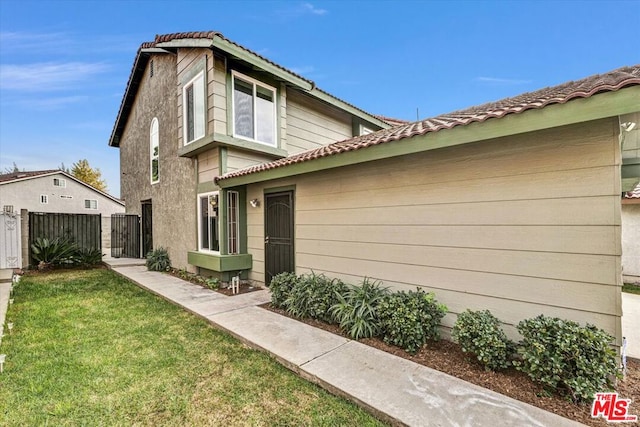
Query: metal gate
278 232
10 243
125 236
82 229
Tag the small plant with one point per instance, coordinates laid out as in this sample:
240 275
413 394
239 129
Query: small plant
313 296
409 319
158 260
89 257
212 283
479 333
564 357
280 288
357 309
53 252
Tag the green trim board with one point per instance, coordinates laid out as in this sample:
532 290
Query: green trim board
206 187
628 184
280 189
220 263
217 139
600 106
222 160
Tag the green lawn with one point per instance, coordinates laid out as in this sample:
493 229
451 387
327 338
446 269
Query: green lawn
90 348
632 289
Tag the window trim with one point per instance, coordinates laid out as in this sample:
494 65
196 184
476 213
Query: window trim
199 210
233 222
235 74
189 83
154 142
90 200
62 183
44 199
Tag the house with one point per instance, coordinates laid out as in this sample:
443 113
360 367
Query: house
512 206
48 191
631 236
196 106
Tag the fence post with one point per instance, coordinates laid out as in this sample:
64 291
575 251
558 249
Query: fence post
24 237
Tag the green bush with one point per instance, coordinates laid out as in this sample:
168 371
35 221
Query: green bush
567 358
53 252
313 296
280 288
479 333
158 260
88 257
409 319
357 309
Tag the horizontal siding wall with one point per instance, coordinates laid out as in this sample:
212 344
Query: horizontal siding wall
521 226
218 96
239 159
208 166
186 59
311 123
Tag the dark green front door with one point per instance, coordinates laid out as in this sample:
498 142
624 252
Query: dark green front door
147 227
278 232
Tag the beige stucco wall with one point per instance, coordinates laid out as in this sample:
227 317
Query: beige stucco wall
173 197
631 242
522 225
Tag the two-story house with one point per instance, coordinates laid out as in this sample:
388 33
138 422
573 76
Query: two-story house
197 106
512 206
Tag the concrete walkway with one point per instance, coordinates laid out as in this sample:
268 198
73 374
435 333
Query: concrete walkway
392 388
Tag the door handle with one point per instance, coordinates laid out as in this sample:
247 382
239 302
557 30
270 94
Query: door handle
266 240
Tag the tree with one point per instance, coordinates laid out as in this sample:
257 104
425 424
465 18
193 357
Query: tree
63 168
88 175
12 169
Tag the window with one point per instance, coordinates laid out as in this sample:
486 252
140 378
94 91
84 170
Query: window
7 209
233 223
44 199
66 197
90 204
208 230
155 151
254 110
194 111
58 182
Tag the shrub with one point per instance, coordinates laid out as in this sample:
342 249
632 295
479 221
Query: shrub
409 319
280 288
158 260
313 296
567 358
357 309
479 333
53 252
88 257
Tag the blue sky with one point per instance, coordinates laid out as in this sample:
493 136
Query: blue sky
64 65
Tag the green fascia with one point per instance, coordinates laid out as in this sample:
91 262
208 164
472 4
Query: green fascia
222 160
220 263
596 107
218 139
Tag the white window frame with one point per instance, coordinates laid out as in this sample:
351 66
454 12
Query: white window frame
233 222
91 200
199 117
60 182
44 199
199 198
154 142
254 83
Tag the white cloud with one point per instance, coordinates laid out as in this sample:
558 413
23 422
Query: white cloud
47 76
502 81
53 103
314 10
305 69
299 10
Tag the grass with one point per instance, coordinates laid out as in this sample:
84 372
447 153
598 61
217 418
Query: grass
90 348
631 288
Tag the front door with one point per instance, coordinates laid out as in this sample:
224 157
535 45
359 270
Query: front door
147 227
278 232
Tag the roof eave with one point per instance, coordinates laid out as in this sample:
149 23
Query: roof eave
608 104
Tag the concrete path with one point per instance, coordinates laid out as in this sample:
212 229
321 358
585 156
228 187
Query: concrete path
393 388
631 323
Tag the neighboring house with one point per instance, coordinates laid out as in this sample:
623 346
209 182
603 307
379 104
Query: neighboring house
631 236
512 206
56 191
196 106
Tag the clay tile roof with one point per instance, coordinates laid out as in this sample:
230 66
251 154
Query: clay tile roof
634 194
14 176
611 81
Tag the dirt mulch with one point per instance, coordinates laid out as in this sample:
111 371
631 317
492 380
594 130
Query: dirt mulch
446 356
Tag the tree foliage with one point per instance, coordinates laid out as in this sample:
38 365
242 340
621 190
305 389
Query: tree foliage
12 169
85 173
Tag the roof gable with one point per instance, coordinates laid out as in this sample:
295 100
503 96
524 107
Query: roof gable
585 88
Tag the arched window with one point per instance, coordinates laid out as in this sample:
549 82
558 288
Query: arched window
154 143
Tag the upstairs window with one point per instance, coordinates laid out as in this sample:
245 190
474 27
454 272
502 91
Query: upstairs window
59 182
254 110
193 106
154 144
44 199
90 204
208 223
